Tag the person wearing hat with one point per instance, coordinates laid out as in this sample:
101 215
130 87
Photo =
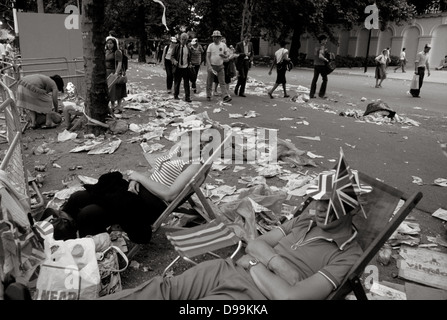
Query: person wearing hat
420 65
167 63
307 257
196 60
216 53
244 50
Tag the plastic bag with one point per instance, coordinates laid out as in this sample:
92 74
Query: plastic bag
415 82
69 272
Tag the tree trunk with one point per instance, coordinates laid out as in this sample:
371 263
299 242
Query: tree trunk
247 17
142 35
93 35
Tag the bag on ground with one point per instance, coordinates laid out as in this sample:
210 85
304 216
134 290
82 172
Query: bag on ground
70 271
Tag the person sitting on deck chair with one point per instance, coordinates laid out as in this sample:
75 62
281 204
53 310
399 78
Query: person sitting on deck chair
137 202
305 258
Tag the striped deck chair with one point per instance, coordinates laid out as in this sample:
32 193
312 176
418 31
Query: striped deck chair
202 239
192 187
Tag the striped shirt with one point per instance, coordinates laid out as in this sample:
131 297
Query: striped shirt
168 169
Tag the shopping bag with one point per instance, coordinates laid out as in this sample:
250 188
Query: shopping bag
70 271
109 264
415 82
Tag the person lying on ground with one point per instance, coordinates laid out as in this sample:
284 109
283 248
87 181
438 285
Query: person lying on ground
136 203
305 258
38 93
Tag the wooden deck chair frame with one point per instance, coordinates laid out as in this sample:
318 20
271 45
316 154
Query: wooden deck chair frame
382 220
192 187
202 239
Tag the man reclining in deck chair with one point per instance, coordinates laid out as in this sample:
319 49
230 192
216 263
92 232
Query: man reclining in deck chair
136 203
306 258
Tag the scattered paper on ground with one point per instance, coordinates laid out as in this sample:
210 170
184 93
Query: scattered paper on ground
441 214
316 138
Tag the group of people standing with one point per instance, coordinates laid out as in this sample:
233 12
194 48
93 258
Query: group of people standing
221 60
182 60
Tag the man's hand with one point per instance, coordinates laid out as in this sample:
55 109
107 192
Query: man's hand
244 261
134 187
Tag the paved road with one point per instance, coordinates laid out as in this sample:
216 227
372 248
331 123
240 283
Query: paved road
393 153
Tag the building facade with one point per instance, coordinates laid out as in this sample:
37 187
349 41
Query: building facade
413 36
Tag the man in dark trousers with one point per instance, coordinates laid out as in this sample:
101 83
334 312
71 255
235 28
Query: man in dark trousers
245 51
181 59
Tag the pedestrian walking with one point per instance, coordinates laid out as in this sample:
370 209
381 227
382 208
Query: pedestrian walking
402 61
380 68
420 65
320 68
181 60
245 51
215 54
387 56
160 48
167 63
130 49
280 60
196 60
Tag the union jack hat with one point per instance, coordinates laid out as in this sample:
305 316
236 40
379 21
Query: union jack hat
323 190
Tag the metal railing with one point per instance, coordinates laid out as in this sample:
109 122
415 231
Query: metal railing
13 162
69 70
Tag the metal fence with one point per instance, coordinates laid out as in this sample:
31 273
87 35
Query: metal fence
13 163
